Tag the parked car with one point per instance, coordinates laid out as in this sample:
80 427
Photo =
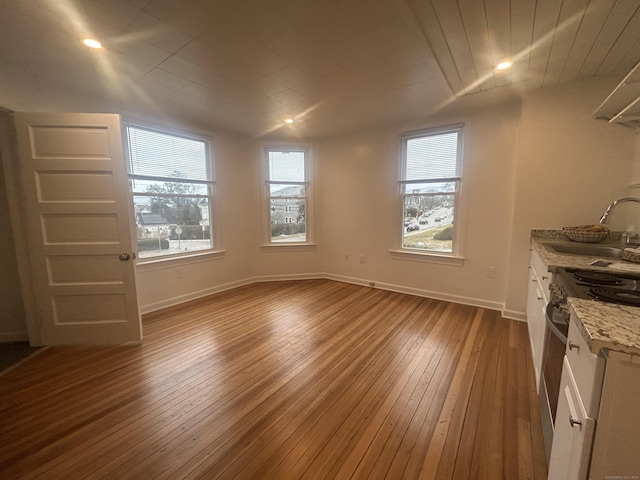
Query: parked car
413 226
423 221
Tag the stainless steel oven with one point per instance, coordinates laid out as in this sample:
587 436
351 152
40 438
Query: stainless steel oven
557 316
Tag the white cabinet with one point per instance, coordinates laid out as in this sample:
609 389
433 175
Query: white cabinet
597 427
616 447
578 401
537 299
573 433
587 369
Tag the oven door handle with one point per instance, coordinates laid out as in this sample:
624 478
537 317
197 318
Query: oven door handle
551 324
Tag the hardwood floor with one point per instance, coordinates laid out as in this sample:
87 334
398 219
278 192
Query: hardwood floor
308 379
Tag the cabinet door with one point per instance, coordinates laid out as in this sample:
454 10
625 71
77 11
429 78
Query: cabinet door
536 304
573 436
587 368
616 449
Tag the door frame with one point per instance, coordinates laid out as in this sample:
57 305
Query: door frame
13 183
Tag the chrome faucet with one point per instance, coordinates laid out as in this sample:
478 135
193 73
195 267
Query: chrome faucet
605 215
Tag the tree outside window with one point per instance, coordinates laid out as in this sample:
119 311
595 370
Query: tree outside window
171 181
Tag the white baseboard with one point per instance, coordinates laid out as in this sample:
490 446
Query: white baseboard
170 302
173 301
7 337
514 315
474 302
283 278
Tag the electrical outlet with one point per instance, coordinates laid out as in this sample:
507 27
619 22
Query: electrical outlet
361 258
347 256
179 273
491 272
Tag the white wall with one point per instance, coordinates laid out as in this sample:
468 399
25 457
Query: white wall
633 211
241 233
636 163
12 316
167 283
293 262
569 168
542 163
547 165
362 215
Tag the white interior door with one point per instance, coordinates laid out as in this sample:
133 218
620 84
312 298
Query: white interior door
78 226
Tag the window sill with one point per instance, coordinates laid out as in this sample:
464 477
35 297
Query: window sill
441 259
157 263
288 247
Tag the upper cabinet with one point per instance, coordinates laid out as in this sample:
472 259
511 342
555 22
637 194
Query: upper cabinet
623 104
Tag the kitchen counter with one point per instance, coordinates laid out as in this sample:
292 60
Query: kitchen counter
603 325
541 238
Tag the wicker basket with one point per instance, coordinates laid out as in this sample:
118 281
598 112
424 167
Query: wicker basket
584 236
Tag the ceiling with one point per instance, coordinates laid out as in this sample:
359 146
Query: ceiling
331 65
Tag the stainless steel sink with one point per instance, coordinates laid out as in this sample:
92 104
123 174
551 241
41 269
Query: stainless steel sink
588 250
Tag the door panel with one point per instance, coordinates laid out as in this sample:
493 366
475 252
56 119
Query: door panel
84 142
74 187
79 269
89 309
72 228
77 206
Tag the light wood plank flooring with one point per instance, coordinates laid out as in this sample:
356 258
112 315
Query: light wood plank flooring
285 380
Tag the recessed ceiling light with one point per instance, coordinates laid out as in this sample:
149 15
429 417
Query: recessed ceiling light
503 65
90 42
288 120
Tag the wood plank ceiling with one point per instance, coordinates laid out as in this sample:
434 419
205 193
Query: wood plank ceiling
333 65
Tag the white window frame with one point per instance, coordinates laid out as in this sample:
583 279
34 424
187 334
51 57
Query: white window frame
268 244
211 184
400 251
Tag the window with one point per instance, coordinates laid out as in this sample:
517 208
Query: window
171 183
429 185
287 189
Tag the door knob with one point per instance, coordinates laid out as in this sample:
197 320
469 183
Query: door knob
124 257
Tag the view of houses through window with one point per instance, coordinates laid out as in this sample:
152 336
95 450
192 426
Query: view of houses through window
287 190
431 174
171 182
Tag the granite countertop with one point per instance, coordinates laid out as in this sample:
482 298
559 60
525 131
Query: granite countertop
541 238
603 325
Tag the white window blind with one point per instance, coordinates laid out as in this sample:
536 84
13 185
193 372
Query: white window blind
433 157
286 166
163 156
